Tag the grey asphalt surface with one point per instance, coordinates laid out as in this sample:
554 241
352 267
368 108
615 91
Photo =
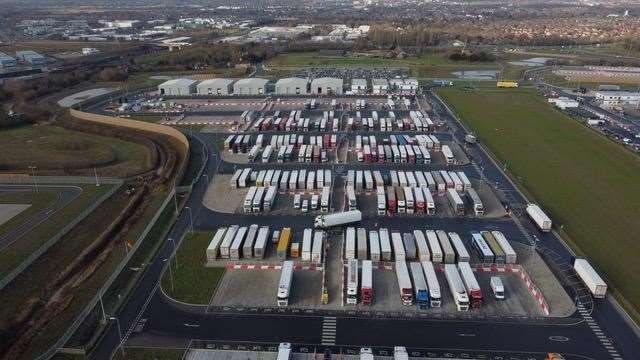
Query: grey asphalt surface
598 331
65 194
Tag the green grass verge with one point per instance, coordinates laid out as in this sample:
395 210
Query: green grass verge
38 202
193 282
586 182
20 249
55 150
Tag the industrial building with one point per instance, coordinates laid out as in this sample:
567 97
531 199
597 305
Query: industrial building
215 87
612 98
6 61
359 86
292 86
380 86
178 87
327 85
30 57
250 86
404 86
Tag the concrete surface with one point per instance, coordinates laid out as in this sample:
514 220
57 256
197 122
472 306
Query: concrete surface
8 211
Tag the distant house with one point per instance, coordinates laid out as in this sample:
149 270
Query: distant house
250 86
292 86
215 87
327 85
178 87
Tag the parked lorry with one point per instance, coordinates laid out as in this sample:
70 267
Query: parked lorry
421 291
362 244
385 244
404 283
317 248
471 283
435 299
509 254
337 219
590 277
456 286
366 285
539 217
284 285
350 243
283 244
352 282
455 201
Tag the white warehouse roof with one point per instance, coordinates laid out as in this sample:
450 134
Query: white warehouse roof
295 81
216 83
178 82
327 81
359 82
251 82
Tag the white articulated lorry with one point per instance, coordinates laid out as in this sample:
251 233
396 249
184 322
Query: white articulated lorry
539 217
588 274
337 219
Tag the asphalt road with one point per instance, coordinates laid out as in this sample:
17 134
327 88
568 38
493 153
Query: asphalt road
597 331
64 196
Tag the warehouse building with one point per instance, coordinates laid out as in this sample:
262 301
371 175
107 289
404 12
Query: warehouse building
250 86
612 98
178 87
292 86
359 86
6 61
404 86
30 57
215 87
380 86
327 85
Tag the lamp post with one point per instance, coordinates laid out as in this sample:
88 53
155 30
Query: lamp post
113 318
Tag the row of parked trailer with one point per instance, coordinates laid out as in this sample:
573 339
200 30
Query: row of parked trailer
418 284
295 122
437 181
239 143
401 149
282 179
235 242
417 121
432 245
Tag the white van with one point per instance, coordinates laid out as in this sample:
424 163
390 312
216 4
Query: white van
497 287
296 201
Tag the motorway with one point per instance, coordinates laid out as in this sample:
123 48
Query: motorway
64 196
596 331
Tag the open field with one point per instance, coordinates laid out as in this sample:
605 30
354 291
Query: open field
17 252
55 150
193 282
586 182
427 65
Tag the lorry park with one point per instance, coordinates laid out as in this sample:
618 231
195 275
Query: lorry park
379 189
364 207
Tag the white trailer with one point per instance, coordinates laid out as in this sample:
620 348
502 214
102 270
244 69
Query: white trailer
307 243
398 246
539 217
352 203
228 240
449 255
509 254
350 243
461 251
269 198
293 180
247 248
476 202
247 205
435 298
236 245
374 246
385 244
316 250
214 245
362 245
284 285
324 199
434 246
590 277
352 282
429 202
259 248
457 205
457 288
421 245
234 178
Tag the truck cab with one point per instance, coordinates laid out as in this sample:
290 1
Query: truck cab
305 206
497 287
297 199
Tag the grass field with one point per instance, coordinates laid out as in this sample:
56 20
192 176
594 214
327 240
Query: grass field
586 182
17 252
38 201
193 282
55 150
429 65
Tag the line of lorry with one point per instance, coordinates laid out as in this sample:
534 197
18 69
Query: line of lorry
418 284
302 179
401 149
437 246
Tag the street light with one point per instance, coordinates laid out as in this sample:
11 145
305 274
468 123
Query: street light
190 217
112 318
175 252
35 180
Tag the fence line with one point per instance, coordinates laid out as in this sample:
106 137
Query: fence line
96 299
55 238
